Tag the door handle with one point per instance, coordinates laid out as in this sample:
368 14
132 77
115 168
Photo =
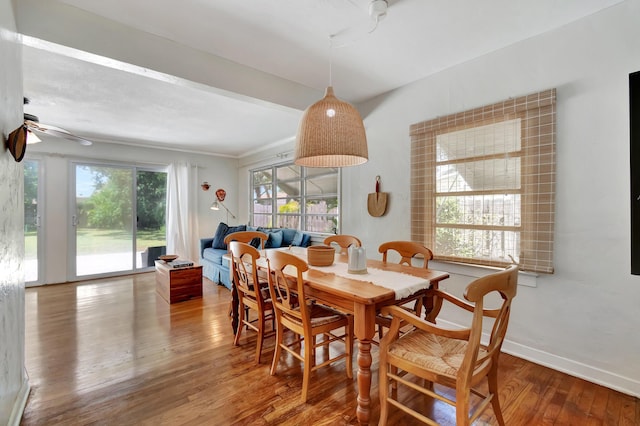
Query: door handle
74 220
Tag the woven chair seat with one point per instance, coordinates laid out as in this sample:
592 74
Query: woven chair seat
320 315
436 353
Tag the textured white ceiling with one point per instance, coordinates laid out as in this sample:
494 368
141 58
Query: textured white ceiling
229 76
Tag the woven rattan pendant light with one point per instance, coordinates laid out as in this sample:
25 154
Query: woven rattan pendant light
331 133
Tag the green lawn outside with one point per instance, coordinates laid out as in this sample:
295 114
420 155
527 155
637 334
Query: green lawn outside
103 241
30 245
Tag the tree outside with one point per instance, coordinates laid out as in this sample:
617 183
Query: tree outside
105 213
449 241
109 205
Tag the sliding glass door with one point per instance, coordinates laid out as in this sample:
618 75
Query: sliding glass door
119 216
32 222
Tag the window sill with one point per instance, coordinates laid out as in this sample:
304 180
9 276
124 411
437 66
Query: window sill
527 279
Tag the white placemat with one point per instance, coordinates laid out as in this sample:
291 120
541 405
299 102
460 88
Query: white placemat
402 284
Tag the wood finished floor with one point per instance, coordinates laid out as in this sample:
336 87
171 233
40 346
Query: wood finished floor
112 352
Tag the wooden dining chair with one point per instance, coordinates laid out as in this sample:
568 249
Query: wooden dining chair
251 295
247 237
344 241
454 358
408 251
300 314
258 239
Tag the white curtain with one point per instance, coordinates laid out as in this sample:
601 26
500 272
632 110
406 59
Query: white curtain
182 211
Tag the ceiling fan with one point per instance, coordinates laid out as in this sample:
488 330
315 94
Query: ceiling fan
34 127
377 11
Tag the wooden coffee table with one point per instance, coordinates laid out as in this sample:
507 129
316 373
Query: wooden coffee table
178 284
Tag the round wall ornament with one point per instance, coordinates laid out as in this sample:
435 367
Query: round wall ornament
17 143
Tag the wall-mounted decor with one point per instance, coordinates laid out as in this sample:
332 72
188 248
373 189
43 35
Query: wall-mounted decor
220 195
377 201
17 143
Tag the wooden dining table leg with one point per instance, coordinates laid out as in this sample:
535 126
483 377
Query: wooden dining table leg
432 305
364 325
234 311
234 308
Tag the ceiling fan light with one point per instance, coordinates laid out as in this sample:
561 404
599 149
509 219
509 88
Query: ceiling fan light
331 134
32 138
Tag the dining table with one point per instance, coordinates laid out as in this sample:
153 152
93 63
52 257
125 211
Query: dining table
363 294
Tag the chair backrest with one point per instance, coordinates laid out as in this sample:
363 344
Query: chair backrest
344 241
288 294
505 283
246 237
407 250
245 272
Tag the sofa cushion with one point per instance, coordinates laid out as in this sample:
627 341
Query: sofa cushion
287 236
275 239
290 236
222 231
214 255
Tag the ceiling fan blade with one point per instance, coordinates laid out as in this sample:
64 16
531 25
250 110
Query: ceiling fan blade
56 132
66 135
350 35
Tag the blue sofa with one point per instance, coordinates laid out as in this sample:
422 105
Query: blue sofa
212 250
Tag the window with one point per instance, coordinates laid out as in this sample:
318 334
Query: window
298 197
483 184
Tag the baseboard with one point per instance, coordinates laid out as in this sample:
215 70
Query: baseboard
573 368
19 404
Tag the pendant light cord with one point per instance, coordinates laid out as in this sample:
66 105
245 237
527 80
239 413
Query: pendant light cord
330 60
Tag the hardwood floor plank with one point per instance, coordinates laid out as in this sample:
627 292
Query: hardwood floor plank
612 413
598 407
628 411
112 351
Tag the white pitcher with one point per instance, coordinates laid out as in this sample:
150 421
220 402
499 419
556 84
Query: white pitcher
357 260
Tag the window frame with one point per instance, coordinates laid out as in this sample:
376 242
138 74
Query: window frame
537 113
303 197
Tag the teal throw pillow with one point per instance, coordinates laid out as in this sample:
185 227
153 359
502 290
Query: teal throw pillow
297 239
275 240
218 237
222 231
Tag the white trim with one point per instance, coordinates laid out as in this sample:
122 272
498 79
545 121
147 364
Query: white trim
573 368
528 279
19 404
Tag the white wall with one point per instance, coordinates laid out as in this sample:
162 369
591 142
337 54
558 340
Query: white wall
14 387
57 154
584 319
